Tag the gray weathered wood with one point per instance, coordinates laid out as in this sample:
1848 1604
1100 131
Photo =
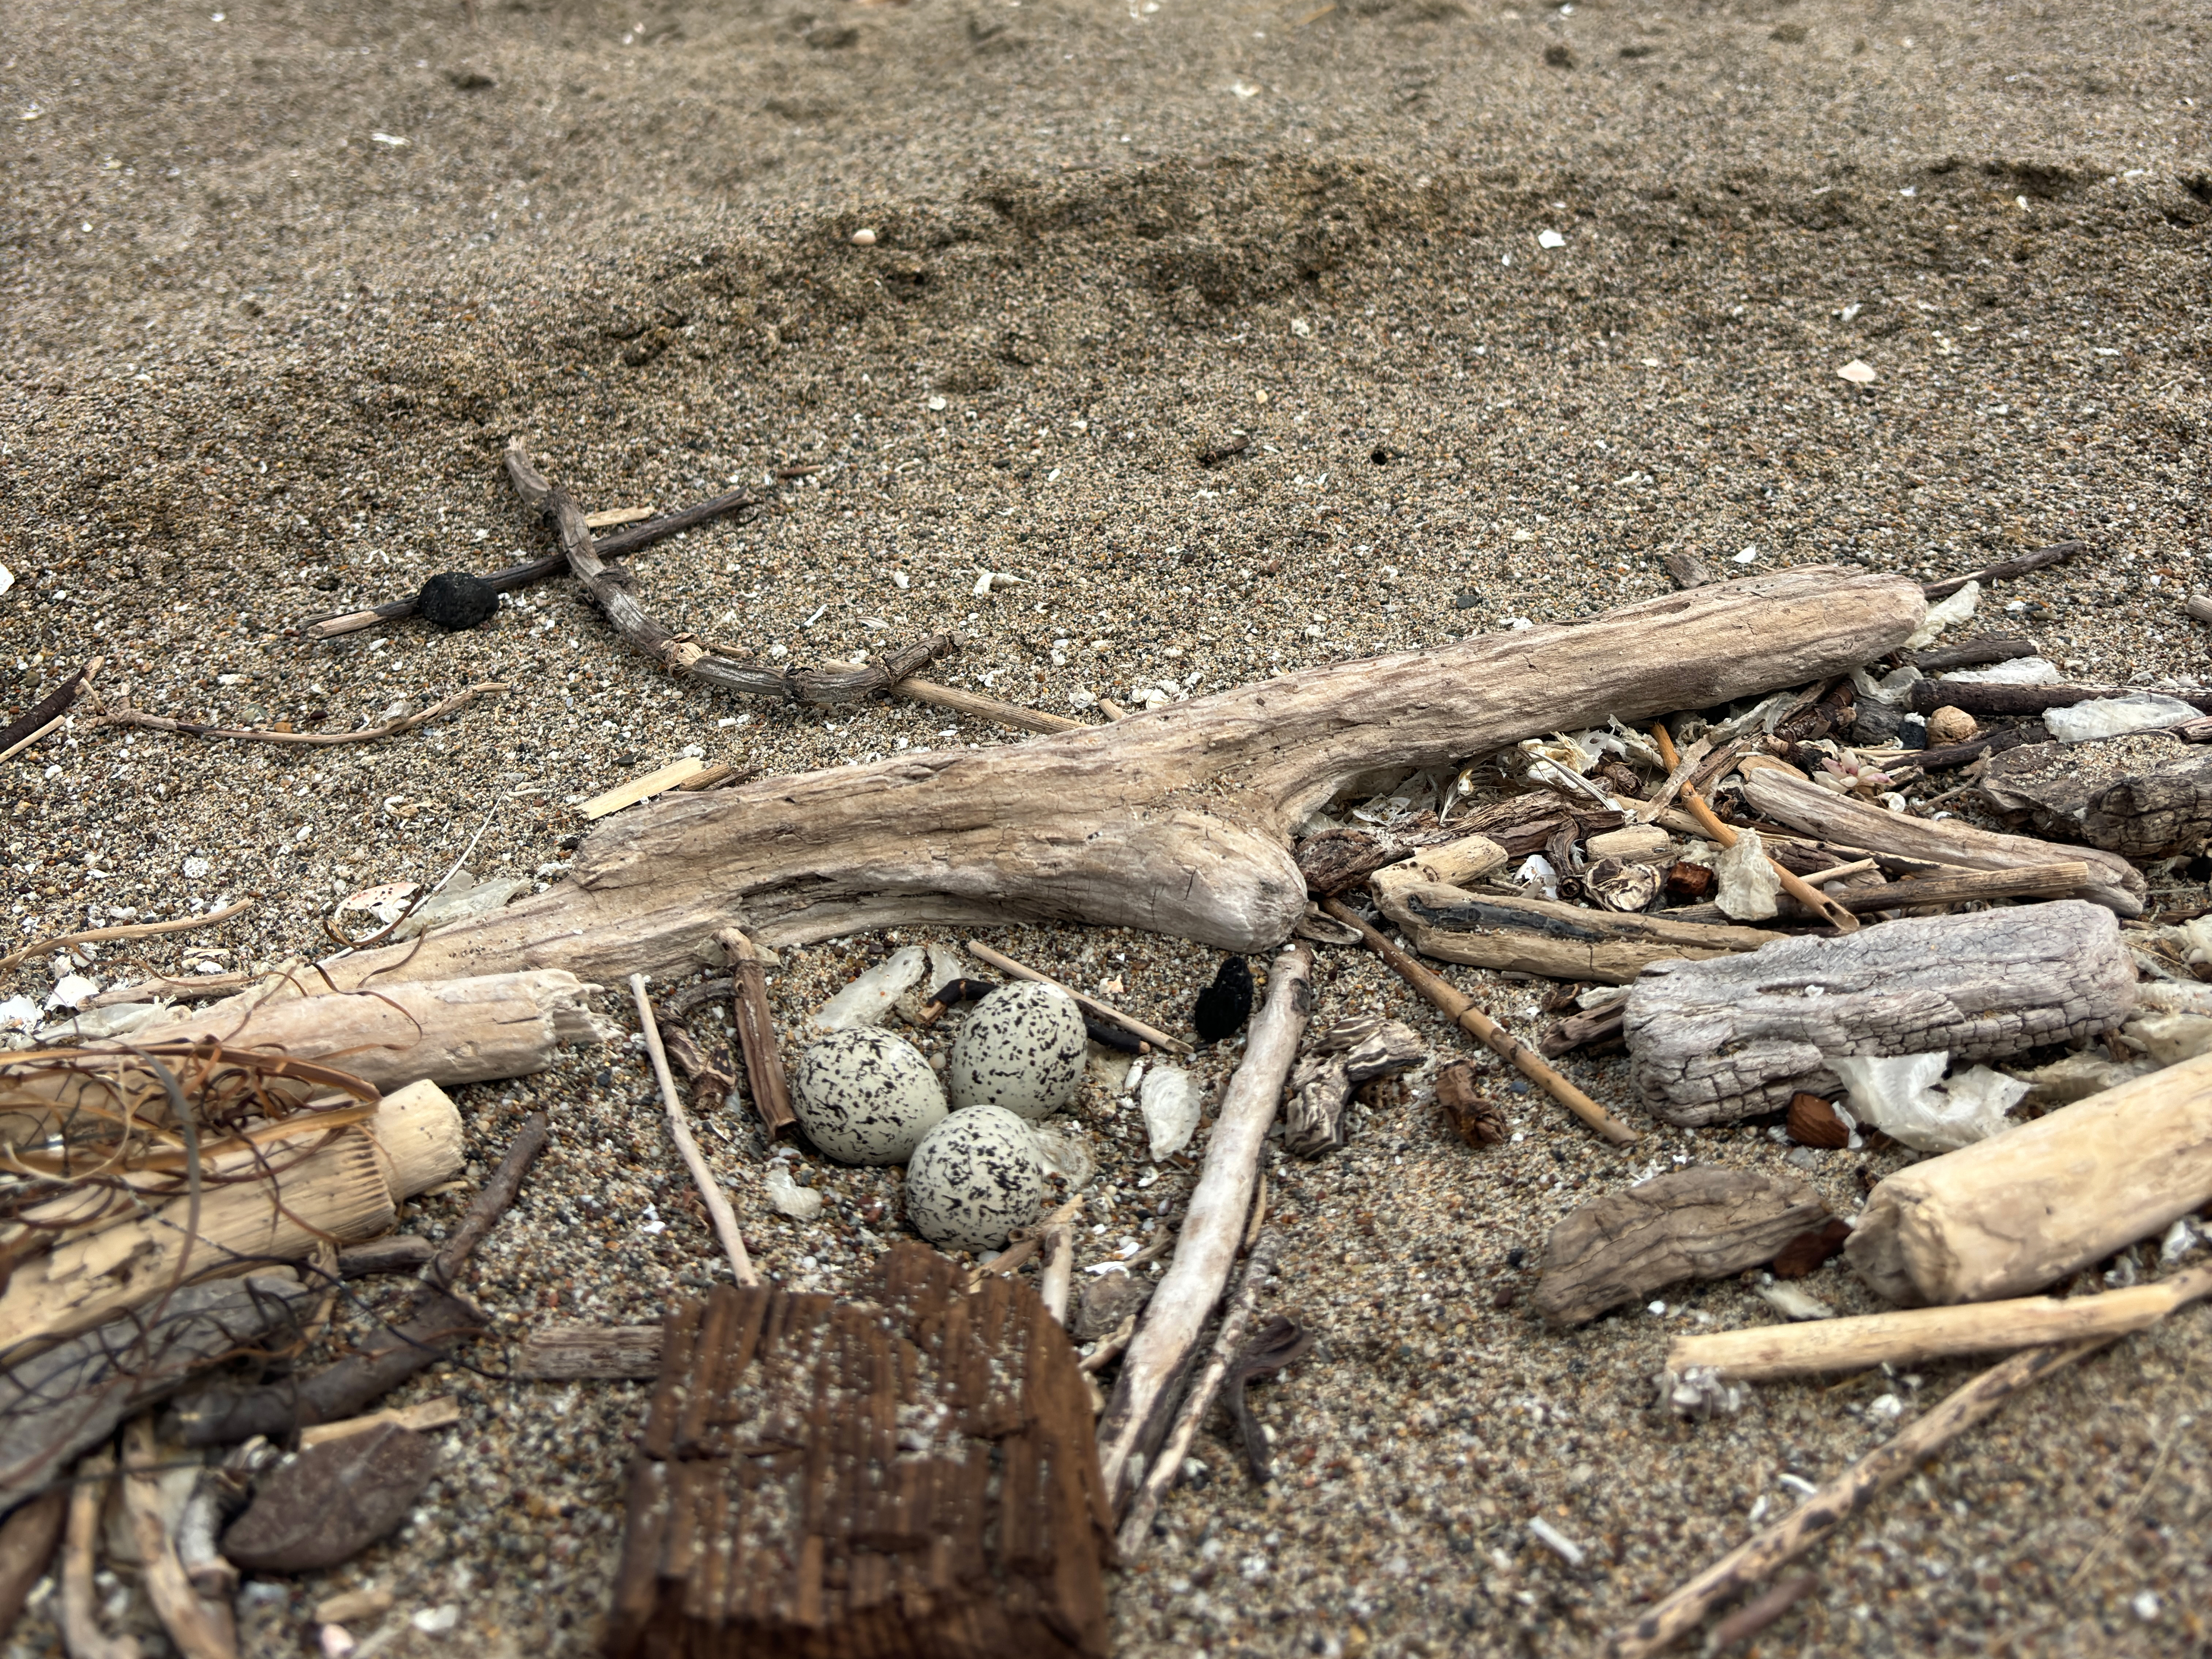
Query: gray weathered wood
1821 813
2146 795
1717 1042
1697 1223
1540 936
598 1354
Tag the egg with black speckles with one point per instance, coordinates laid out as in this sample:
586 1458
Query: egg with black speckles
865 1097
975 1178
1023 1048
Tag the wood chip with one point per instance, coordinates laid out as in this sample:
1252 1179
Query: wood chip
637 789
614 516
430 1415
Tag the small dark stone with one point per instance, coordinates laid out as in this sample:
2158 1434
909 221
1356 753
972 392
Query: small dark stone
1516 1256
470 80
1468 600
1912 731
332 1501
453 601
1559 57
626 760
1223 1006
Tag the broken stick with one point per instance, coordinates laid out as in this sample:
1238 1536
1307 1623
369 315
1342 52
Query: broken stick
1816 1519
81 1632
1136 1416
973 702
45 947
764 1078
679 1131
2057 553
28 727
124 716
1006 964
202 1627
1462 1011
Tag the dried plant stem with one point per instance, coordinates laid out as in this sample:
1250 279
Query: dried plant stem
717 1206
137 930
202 1627
1006 964
452 705
489 1204
81 1632
958 702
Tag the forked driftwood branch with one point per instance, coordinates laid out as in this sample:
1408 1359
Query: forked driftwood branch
1176 821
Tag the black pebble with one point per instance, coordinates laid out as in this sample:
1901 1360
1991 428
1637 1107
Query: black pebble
1912 731
1223 1006
454 600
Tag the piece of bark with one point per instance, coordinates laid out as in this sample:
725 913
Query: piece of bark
202 1626
1109 1301
1718 1042
1473 1115
2005 569
1282 1341
1812 1122
594 1353
332 1501
59 1403
2024 1209
1336 859
1078 827
1372 1047
1984 700
1809 1251
2146 795
1540 936
1916 1335
1319 1093
277 1205
756 1021
28 1538
711 1069
1976 653
907 1470
1697 1223
1830 817
82 1634
449 1031
1688 569
1138 1414
402 1253
1597 1031
1522 824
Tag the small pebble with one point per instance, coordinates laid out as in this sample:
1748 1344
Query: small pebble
455 600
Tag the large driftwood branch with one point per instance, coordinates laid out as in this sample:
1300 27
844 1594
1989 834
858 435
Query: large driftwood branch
1717 1042
1176 822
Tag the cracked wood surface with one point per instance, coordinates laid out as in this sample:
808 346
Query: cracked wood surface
1176 821
1718 1041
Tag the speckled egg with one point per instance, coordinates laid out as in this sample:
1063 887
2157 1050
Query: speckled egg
865 1097
975 1178
1022 1049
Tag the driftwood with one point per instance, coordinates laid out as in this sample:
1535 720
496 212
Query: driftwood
2146 796
1976 653
1916 1335
202 1627
1081 827
72 1397
1719 1042
1472 1114
1696 1223
28 728
1336 860
756 1021
1982 699
1137 1415
402 1253
344 1187
1346 1053
1792 884
1540 936
28 1538
597 1353
906 1471
1598 1031
2005 569
2021 1210
82 1634
679 1130
1816 1520
1830 817
450 1031
1969 887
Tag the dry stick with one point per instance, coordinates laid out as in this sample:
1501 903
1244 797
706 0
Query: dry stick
1815 1520
2032 881
27 728
718 1206
2057 553
1166 1469
974 702
202 1627
1792 884
333 623
679 652
1006 964
1762 1610
488 1205
136 930
1461 1009
765 1077
1136 1416
81 1632
1017 1254
1057 1277
1911 1335
452 705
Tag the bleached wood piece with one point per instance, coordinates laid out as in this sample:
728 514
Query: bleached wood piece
1539 936
347 1189
2023 1209
1176 821
422 1417
1139 1412
449 1031
81 1632
1718 1042
1907 1338
202 1627
595 1353
644 788
679 1130
1821 813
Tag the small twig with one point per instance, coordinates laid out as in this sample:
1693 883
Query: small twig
490 1203
1462 1011
1110 1347
452 705
1006 964
1756 1614
81 1632
717 1206
135 930
974 704
1815 1521
27 728
2057 553
1025 1245
1166 1469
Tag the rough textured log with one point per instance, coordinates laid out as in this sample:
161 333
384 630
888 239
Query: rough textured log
1916 1335
1696 1223
1175 821
2147 795
344 1188
906 1472
598 1353
2021 1210
2118 885
451 1032
1718 1042
1538 936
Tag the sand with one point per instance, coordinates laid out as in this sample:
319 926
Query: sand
281 280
